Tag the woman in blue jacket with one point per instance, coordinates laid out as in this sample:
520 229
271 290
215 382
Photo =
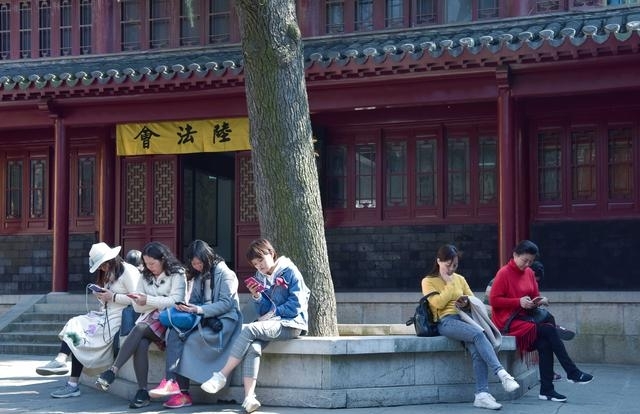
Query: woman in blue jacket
281 298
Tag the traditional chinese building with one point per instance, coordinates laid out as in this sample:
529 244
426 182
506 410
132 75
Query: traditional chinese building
477 122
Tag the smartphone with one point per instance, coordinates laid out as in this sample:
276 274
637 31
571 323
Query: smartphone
253 282
537 300
95 288
181 303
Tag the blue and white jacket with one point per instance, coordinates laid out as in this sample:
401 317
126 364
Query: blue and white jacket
286 291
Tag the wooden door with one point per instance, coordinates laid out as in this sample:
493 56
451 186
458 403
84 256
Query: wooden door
148 201
247 225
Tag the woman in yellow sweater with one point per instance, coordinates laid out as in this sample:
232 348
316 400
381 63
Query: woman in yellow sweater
451 288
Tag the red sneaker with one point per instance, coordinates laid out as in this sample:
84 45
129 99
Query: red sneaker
164 389
178 400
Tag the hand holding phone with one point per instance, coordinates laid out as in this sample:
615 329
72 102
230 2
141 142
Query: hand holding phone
253 284
540 301
462 302
95 288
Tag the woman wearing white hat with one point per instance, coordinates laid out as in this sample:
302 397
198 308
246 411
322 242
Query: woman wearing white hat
88 338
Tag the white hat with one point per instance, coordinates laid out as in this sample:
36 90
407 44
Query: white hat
100 253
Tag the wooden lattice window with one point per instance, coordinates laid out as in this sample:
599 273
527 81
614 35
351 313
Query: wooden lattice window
5 30
13 189
25 30
38 188
394 16
364 15
620 168
337 176
549 166
583 165
86 186
458 172
44 28
365 167
396 174
219 21
487 170
334 10
426 172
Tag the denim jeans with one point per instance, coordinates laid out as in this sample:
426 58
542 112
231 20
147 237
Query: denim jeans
255 336
482 354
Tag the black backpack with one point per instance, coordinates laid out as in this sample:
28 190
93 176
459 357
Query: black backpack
422 320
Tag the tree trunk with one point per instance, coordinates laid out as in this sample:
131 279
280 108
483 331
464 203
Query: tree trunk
284 166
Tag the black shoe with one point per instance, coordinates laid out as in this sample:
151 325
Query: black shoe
106 379
552 396
564 333
140 400
581 378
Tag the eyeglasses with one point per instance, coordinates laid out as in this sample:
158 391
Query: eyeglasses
526 260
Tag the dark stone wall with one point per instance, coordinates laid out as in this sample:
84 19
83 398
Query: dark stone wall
26 263
397 258
588 256
592 255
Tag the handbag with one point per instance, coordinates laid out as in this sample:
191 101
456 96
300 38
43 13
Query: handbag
213 323
128 320
422 320
536 315
182 322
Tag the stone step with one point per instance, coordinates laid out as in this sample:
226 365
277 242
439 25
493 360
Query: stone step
68 298
65 308
36 326
50 337
21 348
52 318
35 331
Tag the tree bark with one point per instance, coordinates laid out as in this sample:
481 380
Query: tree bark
284 166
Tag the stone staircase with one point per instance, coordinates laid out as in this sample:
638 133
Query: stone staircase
31 325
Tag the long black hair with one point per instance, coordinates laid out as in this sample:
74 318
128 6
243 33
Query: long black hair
202 251
526 247
445 253
159 251
114 267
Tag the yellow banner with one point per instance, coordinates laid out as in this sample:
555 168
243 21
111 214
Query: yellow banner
183 137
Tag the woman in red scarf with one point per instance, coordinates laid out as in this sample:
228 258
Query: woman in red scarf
514 291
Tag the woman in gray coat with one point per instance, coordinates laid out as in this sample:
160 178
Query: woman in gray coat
192 355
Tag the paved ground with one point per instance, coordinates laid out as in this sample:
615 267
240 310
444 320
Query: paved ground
615 390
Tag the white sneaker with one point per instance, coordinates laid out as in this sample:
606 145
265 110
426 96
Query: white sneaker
53 367
215 383
486 400
508 382
250 404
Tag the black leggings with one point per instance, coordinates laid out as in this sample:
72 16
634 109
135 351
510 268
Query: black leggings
76 366
137 344
549 343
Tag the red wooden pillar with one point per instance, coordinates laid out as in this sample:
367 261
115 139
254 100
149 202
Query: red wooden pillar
60 280
109 210
507 171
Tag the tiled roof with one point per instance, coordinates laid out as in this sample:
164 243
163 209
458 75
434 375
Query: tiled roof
519 40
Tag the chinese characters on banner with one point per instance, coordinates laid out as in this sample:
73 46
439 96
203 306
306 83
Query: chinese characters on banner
183 137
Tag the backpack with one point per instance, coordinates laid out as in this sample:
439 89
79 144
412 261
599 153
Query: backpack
422 320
